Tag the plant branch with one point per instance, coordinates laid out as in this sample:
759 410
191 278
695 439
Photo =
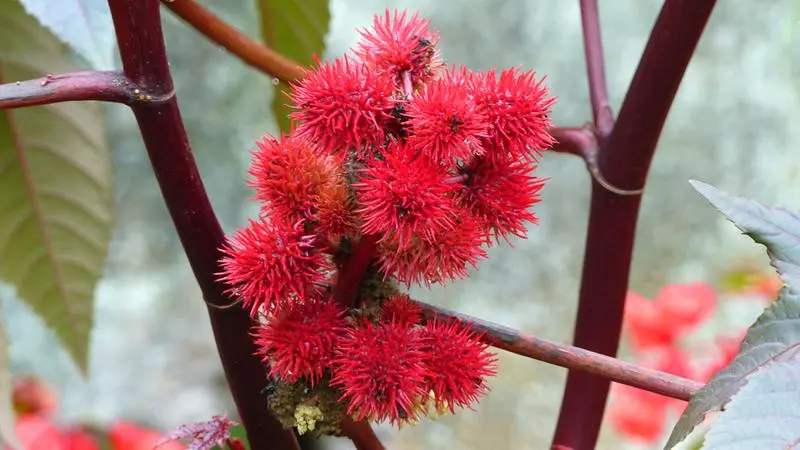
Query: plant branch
235 41
107 86
361 434
624 160
595 67
580 141
573 358
141 43
351 274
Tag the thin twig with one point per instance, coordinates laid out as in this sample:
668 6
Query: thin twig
595 67
107 86
235 41
579 141
570 357
141 42
624 161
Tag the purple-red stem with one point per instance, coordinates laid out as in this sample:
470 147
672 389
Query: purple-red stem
624 160
595 67
361 433
144 59
351 274
108 86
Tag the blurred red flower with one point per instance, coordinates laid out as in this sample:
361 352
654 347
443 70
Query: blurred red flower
125 435
676 310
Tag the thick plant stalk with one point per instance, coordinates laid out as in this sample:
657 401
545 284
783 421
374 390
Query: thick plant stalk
141 43
624 160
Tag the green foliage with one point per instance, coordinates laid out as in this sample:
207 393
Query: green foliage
56 180
775 336
237 432
296 29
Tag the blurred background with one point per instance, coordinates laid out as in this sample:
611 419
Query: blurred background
733 125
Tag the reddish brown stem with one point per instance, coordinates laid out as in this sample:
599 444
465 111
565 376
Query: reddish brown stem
349 281
361 434
456 179
67 87
573 358
624 160
574 140
235 41
595 67
141 43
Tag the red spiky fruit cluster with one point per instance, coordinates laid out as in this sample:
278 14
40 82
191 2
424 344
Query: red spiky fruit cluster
395 369
398 162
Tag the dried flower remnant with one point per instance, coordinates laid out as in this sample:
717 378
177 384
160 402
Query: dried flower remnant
203 435
397 170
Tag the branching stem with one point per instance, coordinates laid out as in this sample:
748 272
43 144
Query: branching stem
107 86
573 358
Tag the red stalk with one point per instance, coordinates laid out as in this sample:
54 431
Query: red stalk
624 160
141 43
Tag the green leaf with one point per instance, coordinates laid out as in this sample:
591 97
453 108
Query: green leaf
84 25
297 30
765 414
56 184
238 432
8 431
775 336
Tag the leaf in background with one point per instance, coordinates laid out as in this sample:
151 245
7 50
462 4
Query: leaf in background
238 432
84 25
56 184
765 414
8 432
296 29
775 336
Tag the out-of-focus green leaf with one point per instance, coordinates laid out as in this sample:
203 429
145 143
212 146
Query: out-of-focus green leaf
775 336
238 432
55 189
296 29
84 25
